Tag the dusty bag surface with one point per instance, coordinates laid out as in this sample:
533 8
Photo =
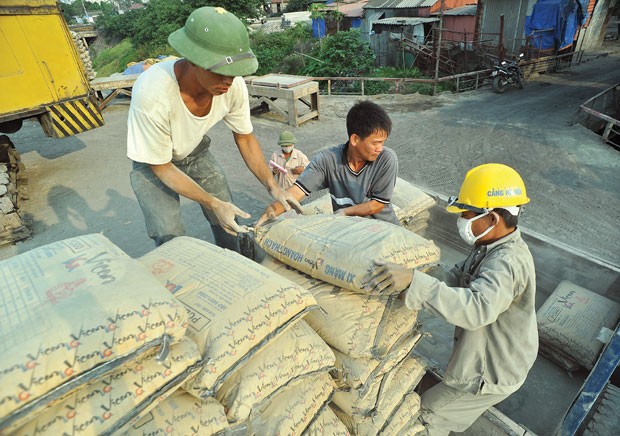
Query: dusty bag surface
358 325
384 395
410 200
235 305
73 310
341 250
571 319
299 352
403 416
117 398
359 372
293 409
181 414
326 423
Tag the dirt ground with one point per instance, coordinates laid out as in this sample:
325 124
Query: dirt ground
80 184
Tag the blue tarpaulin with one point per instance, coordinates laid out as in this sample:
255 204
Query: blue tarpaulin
554 23
318 27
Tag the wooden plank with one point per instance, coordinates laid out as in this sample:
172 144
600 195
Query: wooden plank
278 80
113 82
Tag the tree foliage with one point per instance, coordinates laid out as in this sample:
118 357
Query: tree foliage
148 28
344 54
279 51
298 5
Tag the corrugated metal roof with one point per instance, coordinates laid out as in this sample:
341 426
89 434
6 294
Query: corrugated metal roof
404 21
399 4
463 10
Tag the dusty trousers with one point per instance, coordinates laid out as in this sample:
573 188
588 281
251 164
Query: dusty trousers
161 205
445 409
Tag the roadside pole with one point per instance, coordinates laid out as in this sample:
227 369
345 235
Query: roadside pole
438 48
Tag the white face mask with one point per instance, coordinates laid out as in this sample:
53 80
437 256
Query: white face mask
464 226
287 149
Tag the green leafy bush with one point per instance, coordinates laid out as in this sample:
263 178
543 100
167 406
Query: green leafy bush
114 59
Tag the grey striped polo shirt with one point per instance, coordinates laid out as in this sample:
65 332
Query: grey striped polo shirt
375 181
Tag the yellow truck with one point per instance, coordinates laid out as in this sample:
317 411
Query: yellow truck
41 73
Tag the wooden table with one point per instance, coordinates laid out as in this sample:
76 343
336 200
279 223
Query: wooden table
292 89
120 84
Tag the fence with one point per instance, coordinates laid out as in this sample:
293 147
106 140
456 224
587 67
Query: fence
600 114
460 82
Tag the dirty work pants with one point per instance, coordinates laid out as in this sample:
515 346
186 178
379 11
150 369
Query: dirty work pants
445 409
161 205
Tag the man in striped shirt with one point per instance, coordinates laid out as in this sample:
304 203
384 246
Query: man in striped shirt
360 174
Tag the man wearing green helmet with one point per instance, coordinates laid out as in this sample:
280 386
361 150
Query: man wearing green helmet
489 297
174 105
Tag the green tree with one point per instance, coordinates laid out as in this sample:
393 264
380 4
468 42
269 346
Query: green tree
344 54
297 5
279 52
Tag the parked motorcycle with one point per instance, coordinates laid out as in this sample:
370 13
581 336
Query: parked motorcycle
507 73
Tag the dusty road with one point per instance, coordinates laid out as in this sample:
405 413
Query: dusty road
80 185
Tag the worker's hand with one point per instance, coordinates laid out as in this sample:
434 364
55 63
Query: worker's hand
387 278
226 213
298 170
286 199
269 214
341 212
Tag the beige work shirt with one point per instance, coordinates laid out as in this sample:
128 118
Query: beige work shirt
297 159
490 299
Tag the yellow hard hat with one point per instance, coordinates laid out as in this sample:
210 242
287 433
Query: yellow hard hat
487 187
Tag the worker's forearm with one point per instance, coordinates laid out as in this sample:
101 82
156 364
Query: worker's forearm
254 159
182 184
364 209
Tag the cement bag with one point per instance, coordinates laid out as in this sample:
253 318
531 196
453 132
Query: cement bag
327 423
72 311
179 415
385 392
118 397
403 416
235 305
340 250
297 353
410 200
359 325
359 372
571 319
292 410
320 206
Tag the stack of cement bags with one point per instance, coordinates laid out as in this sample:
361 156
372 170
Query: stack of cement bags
411 205
265 370
372 336
90 339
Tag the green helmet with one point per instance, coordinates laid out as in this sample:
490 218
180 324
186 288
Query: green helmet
286 138
216 40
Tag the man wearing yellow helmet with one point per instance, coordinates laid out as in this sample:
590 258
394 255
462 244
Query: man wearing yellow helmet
489 297
173 107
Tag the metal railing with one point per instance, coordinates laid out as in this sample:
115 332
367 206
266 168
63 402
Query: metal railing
600 113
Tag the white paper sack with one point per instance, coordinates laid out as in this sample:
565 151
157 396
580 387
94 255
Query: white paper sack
235 305
179 415
341 250
359 325
299 352
116 399
72 311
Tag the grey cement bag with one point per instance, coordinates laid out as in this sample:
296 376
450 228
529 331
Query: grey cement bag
570 321
341 250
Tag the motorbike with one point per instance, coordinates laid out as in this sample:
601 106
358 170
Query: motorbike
507 73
